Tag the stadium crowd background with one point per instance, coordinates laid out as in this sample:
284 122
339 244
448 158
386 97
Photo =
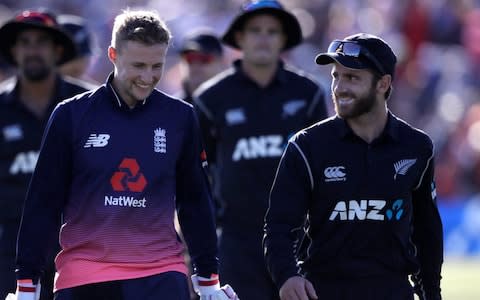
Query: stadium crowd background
436 88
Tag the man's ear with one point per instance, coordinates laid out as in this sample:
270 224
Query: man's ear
384 83
112 54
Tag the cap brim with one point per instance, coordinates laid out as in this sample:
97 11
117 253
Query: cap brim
346 61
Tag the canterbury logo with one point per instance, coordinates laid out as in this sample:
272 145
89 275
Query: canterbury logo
97 140
402 166
335 174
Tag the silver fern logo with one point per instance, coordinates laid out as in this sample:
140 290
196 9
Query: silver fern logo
402 166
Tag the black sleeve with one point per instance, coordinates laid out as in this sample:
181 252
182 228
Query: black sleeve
194 203
428 238
48 189
288 206
207 128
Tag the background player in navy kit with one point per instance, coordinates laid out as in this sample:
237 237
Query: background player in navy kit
114 164
201 58
33 43
247 114
364 179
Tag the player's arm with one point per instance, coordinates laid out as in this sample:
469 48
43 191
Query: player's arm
289 202
428 237
46 195
194 202
195 215
208 129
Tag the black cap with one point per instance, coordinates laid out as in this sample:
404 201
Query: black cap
30 19
204 41
376 54
77 28
272 7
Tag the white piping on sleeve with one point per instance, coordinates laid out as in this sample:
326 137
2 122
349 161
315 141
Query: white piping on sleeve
310 175
424 171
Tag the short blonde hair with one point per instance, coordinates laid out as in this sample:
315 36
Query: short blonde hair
145 27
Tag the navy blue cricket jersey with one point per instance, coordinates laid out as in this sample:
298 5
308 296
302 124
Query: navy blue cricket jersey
371 207
112 177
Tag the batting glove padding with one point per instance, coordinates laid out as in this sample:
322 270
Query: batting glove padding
26 290
209 288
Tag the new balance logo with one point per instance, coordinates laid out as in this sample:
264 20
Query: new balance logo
97 140
335 174
402 166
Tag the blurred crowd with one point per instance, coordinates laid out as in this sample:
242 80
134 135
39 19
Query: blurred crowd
436 88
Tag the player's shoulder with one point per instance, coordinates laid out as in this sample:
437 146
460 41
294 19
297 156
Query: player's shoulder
299 76
219 83
6 87
324 129
75 84
411 135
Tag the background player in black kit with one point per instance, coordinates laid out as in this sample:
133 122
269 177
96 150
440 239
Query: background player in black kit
34 44
247 114
364 179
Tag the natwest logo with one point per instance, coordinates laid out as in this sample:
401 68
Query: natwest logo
128 177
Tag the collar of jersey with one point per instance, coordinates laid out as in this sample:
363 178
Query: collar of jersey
391 130
280 75
115 96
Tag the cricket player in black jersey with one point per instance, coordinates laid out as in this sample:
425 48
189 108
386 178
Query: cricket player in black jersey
365 180
247 114
34 44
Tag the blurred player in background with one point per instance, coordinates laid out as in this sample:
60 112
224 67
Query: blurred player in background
201 57
33 43
247 114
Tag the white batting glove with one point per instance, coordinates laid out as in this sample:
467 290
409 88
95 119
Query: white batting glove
26 290
209 288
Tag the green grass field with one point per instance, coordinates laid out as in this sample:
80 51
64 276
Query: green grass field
461 279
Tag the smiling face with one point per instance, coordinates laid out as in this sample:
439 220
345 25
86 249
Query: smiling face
138 69
354 92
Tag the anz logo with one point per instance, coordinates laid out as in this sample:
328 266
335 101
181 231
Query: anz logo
258 147
367 210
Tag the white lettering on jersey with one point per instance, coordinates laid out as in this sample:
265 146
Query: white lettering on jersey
97 140
125 201
258 147
365 210
24 163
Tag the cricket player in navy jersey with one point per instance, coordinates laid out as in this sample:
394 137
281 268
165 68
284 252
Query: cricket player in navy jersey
365 180
34 44
247 114
114 165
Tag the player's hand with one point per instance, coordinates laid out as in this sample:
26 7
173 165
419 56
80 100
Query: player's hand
26 290
297 288
209 288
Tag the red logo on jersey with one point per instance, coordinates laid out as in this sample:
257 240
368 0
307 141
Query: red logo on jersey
128 177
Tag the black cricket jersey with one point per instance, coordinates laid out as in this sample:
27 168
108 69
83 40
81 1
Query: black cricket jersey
20 136
371 207
245 128
114 176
